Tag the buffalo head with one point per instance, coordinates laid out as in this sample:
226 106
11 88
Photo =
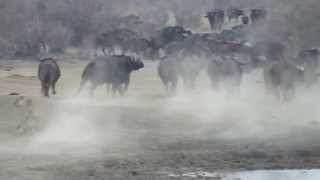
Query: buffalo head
135 64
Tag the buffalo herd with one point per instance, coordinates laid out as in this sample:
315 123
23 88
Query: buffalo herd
217 17
225 55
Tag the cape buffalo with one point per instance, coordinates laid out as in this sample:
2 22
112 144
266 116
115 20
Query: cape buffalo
48 73
113 71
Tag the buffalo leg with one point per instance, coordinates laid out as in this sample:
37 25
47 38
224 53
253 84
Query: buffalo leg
53 86
126 85
167 86
104 51
171 87
174 86
45 89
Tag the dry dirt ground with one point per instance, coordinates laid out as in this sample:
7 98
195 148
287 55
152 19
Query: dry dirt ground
148 134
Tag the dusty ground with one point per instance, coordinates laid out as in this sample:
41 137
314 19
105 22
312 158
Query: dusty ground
148 134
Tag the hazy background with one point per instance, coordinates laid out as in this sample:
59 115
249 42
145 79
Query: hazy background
27 26
148 129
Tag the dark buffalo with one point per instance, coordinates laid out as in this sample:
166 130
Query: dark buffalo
216 18
234 14
48 73
280 79
113 71
245 20
258 15
168 73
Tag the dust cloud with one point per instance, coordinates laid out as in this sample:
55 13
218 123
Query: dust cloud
131 124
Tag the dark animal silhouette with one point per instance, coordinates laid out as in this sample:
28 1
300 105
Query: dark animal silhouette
48 73
245 20
113 71
216 18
